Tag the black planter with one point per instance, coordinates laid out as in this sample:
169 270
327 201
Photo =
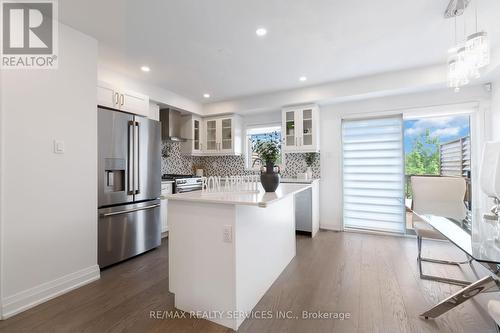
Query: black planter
270 180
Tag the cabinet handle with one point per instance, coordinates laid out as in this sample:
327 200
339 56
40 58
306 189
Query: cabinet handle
122 99
115 98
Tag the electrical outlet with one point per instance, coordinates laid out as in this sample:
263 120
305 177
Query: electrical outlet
227 234
59 147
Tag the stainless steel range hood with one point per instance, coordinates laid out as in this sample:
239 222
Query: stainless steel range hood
171 125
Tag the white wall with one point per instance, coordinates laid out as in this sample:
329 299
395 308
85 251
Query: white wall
155 93
262 118
2 135
331 116
49 201
495 110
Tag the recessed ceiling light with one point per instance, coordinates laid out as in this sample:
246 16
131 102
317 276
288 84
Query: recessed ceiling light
145 68
261 32
206 95
302 78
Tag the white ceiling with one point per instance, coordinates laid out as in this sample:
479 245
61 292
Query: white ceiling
210 46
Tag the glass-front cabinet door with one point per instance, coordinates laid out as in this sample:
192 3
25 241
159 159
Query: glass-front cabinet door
226 142
307 136
300 126
211 130
289 124
196 135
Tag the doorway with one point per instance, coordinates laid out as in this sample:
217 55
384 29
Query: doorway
438 146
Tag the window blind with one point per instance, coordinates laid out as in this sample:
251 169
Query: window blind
373 174
455 157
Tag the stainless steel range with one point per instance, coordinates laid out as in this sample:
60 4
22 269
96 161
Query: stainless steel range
184 183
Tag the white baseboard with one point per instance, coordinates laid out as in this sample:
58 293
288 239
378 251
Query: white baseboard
29 298
331 227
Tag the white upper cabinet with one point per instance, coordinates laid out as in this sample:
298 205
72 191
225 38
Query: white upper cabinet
133 102
154 111
106 95
226 135
124 100
223 135
211 136
300 129
192 130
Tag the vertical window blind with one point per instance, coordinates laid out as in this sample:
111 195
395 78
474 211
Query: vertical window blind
373 174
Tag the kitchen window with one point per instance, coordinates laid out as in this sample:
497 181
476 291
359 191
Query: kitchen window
261 133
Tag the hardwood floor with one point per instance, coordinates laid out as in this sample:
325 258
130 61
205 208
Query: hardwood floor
373 278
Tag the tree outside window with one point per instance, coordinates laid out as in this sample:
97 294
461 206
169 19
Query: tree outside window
263 134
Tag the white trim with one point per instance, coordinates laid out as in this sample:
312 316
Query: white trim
2 195
29 298
330 227
267 127
374 232
441 110
417 112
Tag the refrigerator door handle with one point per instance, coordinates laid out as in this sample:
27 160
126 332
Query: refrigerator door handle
130 210
131 158
136 159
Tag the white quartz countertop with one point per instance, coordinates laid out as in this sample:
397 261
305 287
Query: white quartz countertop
298 180
261 199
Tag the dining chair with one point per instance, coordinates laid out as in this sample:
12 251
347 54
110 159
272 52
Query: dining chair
442 196
494 312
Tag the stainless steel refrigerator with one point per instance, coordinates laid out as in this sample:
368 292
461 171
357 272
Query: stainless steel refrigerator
129 185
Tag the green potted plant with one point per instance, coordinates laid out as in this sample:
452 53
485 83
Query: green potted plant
269 152
310 158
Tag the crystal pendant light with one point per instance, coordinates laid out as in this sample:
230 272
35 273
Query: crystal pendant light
453 80
468 57
458 69
478 49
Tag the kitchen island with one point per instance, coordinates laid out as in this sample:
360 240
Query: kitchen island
227 249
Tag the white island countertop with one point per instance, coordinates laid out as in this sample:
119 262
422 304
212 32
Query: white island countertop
260 199
295 180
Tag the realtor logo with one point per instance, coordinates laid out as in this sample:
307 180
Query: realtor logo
29 34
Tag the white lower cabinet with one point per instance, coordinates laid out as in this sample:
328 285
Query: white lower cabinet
166 189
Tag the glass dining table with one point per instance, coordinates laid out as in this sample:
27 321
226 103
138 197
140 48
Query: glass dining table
482 245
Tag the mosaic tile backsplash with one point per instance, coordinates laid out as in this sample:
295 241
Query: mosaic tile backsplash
296 163
175 162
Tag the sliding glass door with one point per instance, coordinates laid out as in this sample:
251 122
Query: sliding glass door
373 174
